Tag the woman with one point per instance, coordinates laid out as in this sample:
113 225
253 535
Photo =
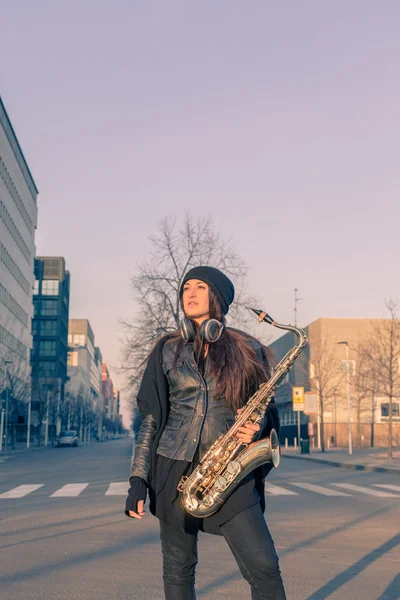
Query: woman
196 381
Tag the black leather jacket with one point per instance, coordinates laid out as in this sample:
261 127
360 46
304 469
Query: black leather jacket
196 418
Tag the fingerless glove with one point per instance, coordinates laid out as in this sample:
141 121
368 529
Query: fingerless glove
137 491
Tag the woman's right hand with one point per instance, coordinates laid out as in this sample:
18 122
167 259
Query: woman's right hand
140 511
134 506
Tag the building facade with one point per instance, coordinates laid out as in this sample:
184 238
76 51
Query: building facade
84 387
116 403
50 341
108 393
322 370
112 423
18 221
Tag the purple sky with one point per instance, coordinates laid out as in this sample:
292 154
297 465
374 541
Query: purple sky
281 120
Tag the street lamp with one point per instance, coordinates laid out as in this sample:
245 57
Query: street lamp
5 374
28 428
348 393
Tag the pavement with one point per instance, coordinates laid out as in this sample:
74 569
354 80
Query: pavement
361 459
20 447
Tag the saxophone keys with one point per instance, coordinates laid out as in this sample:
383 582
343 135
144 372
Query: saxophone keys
233 468
208 500
192 503
181 484
220 484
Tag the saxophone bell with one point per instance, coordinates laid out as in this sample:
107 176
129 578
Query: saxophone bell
275 448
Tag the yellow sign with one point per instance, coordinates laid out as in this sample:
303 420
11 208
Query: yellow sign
298 398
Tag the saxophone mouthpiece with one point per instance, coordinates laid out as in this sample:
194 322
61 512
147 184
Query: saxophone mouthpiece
263 316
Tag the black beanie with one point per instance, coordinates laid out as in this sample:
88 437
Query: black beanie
217 280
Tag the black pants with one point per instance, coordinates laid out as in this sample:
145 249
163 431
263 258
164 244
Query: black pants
251 544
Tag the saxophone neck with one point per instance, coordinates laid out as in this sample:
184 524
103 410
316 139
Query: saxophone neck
300 333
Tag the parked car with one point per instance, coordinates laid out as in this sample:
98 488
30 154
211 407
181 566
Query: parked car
67 438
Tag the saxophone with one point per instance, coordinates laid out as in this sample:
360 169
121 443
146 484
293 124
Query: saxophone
228 460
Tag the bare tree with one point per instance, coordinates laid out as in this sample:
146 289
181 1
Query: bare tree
360 387
324 377
14 364
45 401
175 249
382 352
70 411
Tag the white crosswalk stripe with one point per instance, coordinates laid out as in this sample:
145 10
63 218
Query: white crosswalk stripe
277 490
365 490
388 486
119 488
21 491
318 489
69 490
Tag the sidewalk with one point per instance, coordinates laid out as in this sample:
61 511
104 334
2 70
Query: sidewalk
21 447
362 459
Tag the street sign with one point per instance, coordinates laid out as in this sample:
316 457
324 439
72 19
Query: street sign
34 418
298 399
348 365
310 403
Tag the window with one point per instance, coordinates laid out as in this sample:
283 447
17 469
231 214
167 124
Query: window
48 327
47 369
49 308
47 348
73 359
9 301
395 409
79 339
35 326
36 287
288 417
35 347
50 287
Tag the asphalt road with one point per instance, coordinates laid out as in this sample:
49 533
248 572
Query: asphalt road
340 540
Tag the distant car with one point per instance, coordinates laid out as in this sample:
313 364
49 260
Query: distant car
67 438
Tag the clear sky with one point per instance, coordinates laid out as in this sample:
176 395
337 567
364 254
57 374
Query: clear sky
281 120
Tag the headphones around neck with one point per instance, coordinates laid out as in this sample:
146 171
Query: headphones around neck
210 330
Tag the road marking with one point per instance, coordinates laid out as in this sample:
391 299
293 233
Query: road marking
319 489
21 491
69 490
276 490
388 486
358 488
119 488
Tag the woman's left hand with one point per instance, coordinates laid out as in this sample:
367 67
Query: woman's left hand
247 433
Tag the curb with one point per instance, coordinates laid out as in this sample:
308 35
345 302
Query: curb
343 465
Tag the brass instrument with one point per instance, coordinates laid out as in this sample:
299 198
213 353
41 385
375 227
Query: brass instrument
228 460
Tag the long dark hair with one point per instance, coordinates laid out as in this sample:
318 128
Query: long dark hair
239 362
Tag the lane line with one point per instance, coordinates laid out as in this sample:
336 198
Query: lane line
388 486
69 490
118 488
21 491
318 489
363 490
276 490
